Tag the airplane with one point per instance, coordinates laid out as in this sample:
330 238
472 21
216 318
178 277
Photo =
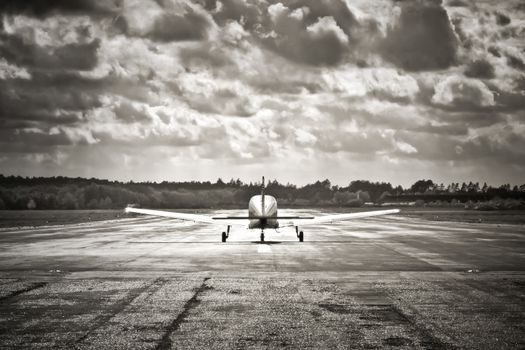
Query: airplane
262 214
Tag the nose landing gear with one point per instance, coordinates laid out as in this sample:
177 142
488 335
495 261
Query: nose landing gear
226 234
299 234
262 236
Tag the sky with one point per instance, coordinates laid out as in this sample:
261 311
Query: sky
298 91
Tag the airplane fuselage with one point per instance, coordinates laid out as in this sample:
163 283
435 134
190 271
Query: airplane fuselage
267 207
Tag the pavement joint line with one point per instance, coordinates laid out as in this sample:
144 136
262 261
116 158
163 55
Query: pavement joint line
24 290
165 342
116 308
429 339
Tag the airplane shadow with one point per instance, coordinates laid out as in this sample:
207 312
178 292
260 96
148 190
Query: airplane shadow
245 242
265 242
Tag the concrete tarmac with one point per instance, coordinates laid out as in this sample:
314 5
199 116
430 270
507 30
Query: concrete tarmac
151 283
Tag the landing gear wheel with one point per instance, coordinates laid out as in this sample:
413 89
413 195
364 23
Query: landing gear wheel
301 236
224 237
262 236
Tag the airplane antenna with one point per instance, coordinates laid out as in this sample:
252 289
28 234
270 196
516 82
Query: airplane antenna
262 196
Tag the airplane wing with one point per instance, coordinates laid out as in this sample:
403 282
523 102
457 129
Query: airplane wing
189 217
328 219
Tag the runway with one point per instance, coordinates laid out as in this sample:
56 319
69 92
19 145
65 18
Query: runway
152 283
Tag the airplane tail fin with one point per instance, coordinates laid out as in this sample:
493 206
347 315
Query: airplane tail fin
262 195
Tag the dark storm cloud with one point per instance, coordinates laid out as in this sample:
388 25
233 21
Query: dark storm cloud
49 92
480 69
40 8
511 101
515 62
502 19
32 140
506 149
35 119
173 27
423 38
457 3
313 32
494 51
75 56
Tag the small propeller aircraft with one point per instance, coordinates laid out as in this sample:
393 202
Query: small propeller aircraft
262 214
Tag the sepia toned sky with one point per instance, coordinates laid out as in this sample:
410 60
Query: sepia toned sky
295 90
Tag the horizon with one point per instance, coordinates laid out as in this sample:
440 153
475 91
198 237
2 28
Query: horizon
268 180
177 90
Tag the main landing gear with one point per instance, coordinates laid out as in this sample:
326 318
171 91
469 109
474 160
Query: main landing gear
299 234
226 234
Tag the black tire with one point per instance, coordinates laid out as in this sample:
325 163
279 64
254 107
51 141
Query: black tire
262 237
301 236
224 237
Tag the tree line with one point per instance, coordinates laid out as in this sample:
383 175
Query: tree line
18 192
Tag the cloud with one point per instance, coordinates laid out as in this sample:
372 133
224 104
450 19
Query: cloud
204 56
304 138
9 71
381 83
317 87
480 69
163 21
317 33
502 19
74 56
173 27
405 147
422 39
456 91
320 43
207 94
130 112
515 62
40 8
237 10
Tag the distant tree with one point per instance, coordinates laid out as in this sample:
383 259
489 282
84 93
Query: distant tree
421 186
106 203
383 196
31 204
374 189
364 196
68 202
398 190
2 204
343 197
484 188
